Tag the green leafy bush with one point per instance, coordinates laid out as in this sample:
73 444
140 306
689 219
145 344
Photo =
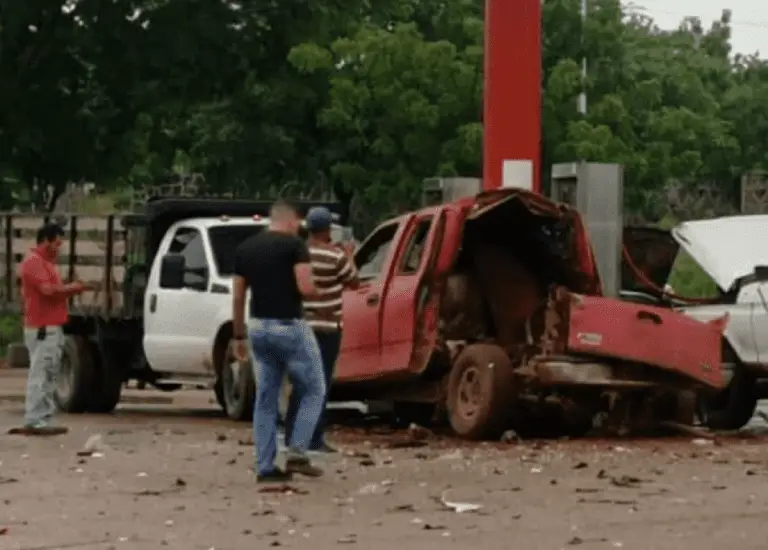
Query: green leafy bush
10 331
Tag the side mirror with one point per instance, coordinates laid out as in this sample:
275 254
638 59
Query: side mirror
172 271
761 273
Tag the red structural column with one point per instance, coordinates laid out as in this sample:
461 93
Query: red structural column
512 110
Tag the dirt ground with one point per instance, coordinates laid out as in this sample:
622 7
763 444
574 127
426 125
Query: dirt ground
178 476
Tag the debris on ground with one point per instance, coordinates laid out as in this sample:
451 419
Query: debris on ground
284 489
94 447
459 507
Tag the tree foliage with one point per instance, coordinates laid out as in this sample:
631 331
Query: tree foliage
368 98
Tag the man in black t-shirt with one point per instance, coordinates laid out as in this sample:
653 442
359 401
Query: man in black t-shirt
275 266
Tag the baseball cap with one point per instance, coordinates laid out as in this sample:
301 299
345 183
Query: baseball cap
319 218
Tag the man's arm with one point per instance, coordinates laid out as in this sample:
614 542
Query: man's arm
239 288
347 272
302 269
35 275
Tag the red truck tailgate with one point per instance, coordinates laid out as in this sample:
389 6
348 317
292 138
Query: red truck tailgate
649 335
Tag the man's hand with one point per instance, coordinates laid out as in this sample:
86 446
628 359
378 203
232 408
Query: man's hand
74 288
349 248
240 350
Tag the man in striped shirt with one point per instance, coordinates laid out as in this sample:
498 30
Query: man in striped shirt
333 269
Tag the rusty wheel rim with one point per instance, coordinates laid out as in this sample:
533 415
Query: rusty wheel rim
469 395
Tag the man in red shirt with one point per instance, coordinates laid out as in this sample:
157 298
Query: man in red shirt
45 313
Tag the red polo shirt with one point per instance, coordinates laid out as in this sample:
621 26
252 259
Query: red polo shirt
36 271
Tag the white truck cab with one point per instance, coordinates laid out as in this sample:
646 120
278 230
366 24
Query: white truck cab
187 324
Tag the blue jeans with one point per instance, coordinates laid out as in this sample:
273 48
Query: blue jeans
279 345
44 366
330 344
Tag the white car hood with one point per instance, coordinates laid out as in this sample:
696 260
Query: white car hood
726 248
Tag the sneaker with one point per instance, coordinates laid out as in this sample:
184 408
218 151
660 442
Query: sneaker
275 476
302 466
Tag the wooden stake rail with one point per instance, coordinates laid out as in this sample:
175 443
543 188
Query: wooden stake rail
97 250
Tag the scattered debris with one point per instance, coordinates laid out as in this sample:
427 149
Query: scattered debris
419 433
8 480
607 501
94 447
403 508
626 481
283 489
575 541
510 436
406 444
459 507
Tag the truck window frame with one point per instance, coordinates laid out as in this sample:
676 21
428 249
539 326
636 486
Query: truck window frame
200 240
420 230
375 247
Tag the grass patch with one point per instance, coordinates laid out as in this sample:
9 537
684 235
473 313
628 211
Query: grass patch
10 331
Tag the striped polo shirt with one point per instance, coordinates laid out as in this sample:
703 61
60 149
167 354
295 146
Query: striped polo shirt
331 270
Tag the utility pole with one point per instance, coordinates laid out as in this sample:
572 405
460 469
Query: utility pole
582 106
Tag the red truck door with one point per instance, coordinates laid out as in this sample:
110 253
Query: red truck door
409 316
360 355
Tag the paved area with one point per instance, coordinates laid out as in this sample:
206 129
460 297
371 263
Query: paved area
177 475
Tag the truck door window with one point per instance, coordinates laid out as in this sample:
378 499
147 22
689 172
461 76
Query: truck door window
373 253
189 243
414 250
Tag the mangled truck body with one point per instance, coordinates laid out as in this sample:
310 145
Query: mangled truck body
488 311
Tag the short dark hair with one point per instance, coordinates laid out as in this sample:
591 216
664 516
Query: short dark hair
49 232
286 205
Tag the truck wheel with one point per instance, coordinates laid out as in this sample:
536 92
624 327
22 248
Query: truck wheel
480 388
107 385
733 407
238 390
74 383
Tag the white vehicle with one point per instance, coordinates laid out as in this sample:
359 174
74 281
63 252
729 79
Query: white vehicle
733 252
166 316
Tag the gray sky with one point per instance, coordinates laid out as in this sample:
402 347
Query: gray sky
749 21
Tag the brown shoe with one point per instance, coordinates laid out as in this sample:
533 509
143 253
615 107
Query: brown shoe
39 430
302 466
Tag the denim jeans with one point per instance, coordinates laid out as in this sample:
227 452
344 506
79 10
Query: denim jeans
279 346
330 343
44 367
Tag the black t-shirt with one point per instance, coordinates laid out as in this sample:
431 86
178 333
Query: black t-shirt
266 263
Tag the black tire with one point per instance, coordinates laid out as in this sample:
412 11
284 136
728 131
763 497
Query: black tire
107 384
76 375
488 369
734 406
237 391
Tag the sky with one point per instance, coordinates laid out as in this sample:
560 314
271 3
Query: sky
749 20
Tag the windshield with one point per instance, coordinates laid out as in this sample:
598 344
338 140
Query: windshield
226 238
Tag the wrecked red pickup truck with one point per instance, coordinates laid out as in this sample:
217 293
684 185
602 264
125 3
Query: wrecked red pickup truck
488 311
